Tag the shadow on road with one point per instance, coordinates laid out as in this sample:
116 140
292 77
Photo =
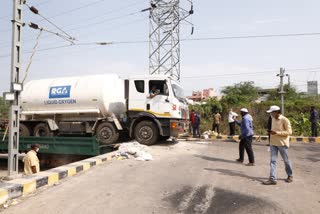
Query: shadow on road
236 174
216 159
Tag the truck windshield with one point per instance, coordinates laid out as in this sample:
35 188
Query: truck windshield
178 92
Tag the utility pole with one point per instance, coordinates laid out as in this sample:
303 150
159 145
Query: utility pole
281 92
288 75
15 88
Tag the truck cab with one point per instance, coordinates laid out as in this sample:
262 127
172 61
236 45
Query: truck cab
158 102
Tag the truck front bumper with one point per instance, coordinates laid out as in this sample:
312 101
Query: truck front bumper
178 127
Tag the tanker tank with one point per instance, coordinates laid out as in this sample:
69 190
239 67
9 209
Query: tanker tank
96 94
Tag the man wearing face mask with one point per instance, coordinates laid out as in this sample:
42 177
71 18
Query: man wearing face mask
279 141
31 161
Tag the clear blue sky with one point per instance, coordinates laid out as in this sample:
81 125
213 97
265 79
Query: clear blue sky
107 20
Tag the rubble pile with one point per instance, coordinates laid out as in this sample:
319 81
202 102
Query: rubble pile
133 149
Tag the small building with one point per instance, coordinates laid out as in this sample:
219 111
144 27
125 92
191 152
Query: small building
198 96
312 88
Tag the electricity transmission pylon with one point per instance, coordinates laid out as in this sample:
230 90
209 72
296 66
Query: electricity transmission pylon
164 36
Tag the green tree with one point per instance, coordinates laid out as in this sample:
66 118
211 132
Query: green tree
291 94
4 108
240 93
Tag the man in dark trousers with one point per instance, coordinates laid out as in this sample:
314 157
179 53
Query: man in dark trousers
314 119
191 121
216 122
232 124
246 137
196 125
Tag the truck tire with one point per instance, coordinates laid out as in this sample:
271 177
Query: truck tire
146 132
107 133
24 131
42 130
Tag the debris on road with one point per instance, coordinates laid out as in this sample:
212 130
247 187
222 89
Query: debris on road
208 134
135 149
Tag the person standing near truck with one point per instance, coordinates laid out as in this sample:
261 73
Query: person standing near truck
279 143
216 122
314 119
191 117
246 137
31 161
196 125
232 124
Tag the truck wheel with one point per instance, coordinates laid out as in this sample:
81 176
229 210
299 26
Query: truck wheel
42 130
146 132
24 131
107 133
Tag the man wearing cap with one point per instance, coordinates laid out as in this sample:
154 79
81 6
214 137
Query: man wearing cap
279 141
31 161
246 137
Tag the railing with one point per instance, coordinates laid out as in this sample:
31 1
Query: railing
59 145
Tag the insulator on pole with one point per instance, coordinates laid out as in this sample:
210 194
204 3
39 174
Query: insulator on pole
34 26
34 10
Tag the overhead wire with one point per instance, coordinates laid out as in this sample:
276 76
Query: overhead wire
31 57
38 4
95 44
254 36
86 6
36 11
199 39
92 24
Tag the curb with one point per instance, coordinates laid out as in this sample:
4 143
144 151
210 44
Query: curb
27 184
257 138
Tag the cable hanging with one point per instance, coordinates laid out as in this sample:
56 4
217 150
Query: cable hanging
36 27
31 57
36 11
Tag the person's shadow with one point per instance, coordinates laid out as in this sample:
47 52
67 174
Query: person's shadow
215 159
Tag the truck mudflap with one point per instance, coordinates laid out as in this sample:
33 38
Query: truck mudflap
178 127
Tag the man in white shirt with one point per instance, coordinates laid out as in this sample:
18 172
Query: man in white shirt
232 124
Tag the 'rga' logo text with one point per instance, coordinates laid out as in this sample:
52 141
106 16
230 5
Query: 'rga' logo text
59 91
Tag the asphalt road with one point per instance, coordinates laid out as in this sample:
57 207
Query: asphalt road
185 178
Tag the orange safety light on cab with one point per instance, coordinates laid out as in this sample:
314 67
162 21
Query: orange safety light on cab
174 125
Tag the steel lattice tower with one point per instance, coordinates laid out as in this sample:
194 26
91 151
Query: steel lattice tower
164 36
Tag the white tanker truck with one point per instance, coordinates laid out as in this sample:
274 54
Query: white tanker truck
105 106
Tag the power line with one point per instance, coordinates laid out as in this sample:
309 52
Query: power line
194 39
77 8
64 12
109 27
245 73
92 24
38 4
36 11
226 75
86 6
36 27
253 36
225 37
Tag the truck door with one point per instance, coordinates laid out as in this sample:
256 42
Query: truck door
137 95
159 104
